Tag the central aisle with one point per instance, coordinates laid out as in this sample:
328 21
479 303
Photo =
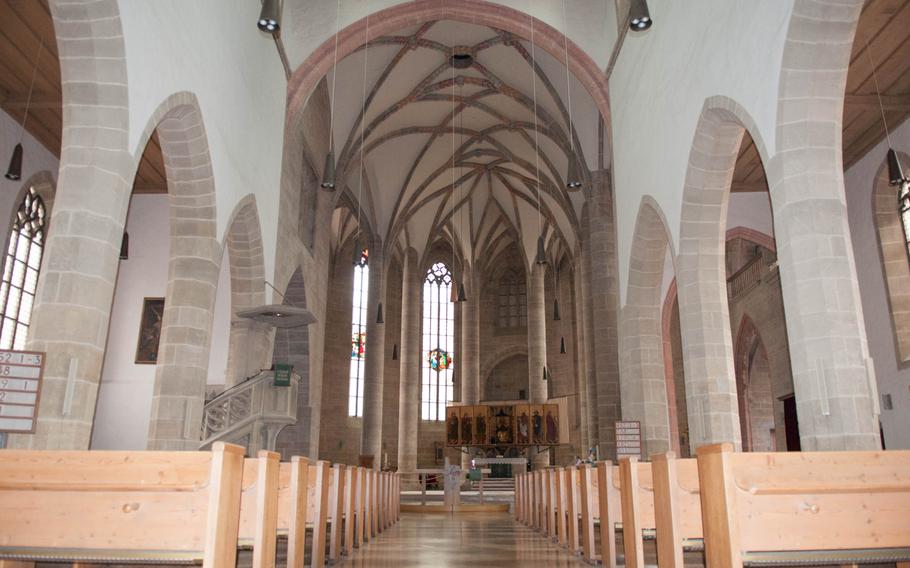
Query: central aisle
480 539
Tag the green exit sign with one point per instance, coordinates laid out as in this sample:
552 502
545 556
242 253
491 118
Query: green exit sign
283 375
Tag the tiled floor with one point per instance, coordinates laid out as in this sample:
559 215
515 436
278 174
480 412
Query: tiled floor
488 540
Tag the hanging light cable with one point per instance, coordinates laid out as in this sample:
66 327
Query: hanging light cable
358 250
328 172
896 176
462 294
541 249
573 174
14 171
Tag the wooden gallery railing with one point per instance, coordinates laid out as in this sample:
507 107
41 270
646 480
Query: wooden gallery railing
818 508
186 507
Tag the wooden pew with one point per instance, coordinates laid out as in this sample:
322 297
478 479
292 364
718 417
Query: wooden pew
99 506
590 510
336 511
547 502
318 484
259 508
361 507
637 498
350 506
553 504
293 507
561 506
573 509
610 509
833 507
677 508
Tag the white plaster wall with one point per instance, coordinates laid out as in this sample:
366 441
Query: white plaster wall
213 49
36 158
694 51
892 379
125 396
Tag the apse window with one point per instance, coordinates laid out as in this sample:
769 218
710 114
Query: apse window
20 273
358 333
513 301
437 386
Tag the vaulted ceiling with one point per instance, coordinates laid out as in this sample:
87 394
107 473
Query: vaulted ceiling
428 127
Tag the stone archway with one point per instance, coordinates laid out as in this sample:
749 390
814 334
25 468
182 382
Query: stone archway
195 260
643 381
754 390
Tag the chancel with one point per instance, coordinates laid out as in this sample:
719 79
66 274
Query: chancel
455 283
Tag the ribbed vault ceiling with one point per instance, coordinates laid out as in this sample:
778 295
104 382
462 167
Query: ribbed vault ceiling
415 98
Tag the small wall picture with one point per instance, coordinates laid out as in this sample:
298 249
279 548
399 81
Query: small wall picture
149 331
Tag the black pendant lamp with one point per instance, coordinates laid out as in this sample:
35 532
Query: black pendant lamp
541 251
462 296
125 246
14 171
270 16
639 15
573 176
562 345
895 171
395 352
556 314
356 252
379 318
546 373
328 172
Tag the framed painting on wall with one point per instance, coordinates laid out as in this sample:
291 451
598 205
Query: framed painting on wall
149 331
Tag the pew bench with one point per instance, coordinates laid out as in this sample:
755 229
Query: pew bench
846 508
121 507
677 508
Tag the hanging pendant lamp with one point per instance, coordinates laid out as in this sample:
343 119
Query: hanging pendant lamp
541 251
573 176
562 345
14 171
379 318
356 252
546 373
270 16
462 296
556 314
395 352
328 172
639 16
895 171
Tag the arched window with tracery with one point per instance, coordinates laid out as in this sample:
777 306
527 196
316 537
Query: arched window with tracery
20 272
437 387
513 301
358 333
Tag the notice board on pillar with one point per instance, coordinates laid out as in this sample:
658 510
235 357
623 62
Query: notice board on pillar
628 439
21 373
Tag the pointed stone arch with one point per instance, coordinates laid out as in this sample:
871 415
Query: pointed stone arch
754 389
292 346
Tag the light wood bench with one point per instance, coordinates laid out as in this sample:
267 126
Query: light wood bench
573 509
842 508
610 502
101 506
561 492
677 508
294 508
259 508
637 498
590 510
318 486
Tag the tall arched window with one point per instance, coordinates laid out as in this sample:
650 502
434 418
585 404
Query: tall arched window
437 388
358 333
20 273
513 303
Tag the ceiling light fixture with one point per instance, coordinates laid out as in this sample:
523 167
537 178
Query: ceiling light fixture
284 315
358 254
573 174
328 172
14 171
379 319
541 248
639 15
270 17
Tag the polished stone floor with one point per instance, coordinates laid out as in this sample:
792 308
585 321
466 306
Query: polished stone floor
433 540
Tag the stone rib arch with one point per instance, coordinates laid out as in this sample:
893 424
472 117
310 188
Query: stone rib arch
250 341
894 258
701 273
89 215
643 380
836 398
193 267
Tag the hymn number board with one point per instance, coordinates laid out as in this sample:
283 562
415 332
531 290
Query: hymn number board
20 389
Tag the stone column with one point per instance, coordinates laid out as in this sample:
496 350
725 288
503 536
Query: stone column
605 303
537 346
581 387
587 321
371 433
470 346
409 355
79 271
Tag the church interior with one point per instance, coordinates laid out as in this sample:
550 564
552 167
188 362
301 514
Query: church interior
455 283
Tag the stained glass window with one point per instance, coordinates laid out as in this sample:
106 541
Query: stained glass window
358 334
437 386
20 273
513 301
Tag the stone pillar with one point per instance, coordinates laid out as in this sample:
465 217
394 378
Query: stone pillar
587 321
581 384
409 355
469 372
79 271
371 433
537 346
604 295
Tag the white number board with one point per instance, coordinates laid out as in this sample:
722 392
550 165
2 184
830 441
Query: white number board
20 390
628 439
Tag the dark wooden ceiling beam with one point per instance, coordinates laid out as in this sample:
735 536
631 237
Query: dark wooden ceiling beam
39 100
890 102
